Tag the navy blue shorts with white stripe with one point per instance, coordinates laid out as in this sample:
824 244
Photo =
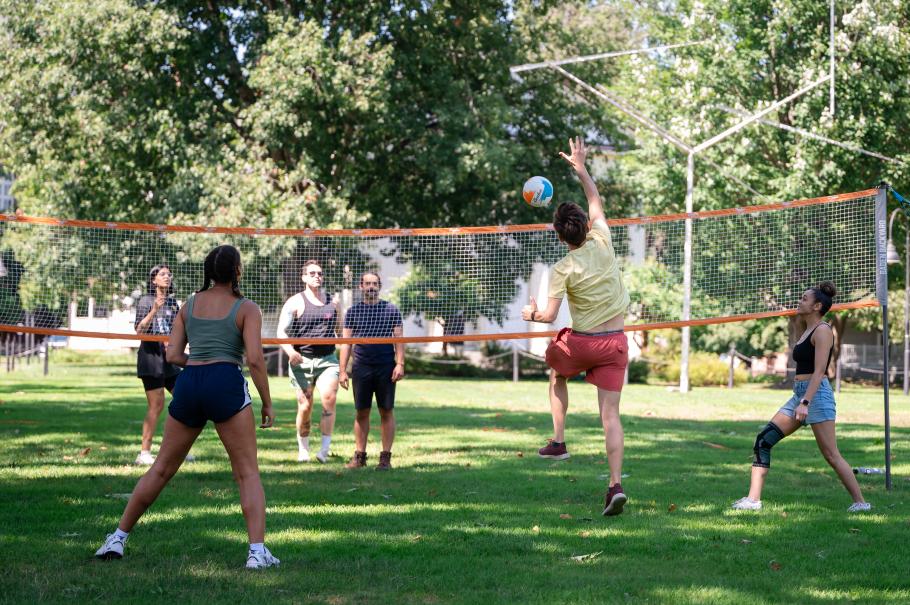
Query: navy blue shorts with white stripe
213 392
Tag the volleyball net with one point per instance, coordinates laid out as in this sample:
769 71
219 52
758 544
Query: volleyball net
84 278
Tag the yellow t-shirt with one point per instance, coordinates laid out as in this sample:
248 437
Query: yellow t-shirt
591 278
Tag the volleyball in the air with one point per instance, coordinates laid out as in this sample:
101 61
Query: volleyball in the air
538 192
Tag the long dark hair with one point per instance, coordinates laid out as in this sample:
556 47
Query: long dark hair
220 267
151 287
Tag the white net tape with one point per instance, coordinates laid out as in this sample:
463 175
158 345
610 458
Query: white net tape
76 276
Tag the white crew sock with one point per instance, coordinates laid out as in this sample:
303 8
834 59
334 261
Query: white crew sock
326 442
123 535
258 547
303 443
145 452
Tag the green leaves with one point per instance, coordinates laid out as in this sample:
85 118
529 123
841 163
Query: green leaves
84 130
322 116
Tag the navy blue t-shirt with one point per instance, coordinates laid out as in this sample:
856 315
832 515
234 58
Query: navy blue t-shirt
373 321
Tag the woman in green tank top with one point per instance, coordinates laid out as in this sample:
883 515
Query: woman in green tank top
220 326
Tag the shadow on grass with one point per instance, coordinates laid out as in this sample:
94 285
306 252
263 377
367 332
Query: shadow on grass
462 517
50 387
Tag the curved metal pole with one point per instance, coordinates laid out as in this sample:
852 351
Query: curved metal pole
817 137
831 52
609 55
757 116
687 276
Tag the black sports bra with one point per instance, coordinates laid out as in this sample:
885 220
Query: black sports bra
804 353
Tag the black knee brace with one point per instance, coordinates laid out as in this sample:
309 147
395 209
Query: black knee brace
766 439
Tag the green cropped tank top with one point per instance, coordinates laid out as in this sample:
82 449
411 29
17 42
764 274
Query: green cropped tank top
214 339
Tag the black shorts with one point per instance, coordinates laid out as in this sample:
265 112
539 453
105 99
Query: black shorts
159 382
373 380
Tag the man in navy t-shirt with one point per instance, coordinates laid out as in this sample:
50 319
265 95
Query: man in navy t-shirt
376 369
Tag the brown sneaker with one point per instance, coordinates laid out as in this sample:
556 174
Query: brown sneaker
358 461
614 501
553 450
385 461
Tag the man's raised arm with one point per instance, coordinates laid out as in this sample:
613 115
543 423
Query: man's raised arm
576 157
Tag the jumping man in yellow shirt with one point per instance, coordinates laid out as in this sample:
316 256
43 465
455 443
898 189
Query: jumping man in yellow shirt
589 275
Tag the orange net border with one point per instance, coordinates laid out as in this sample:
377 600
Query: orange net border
436 231
462 338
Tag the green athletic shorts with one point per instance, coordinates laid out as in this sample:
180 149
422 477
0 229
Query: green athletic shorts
311 368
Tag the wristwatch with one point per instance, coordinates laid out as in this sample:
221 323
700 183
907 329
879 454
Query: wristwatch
804 402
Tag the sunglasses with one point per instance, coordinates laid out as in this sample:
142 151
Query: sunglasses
314 273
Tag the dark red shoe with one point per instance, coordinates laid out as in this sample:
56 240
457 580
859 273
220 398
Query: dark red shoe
553 450
614 501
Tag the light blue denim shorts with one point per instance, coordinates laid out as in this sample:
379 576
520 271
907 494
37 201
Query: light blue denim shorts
822 407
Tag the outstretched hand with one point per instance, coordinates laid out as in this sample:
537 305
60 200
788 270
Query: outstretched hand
577 155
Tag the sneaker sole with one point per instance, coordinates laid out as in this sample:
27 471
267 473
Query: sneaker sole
109 556
615 506
555 456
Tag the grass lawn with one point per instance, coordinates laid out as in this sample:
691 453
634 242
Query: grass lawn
468 515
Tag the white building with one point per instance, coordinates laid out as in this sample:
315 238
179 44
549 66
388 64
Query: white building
7 203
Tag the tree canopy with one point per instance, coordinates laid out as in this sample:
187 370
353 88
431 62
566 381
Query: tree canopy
352 114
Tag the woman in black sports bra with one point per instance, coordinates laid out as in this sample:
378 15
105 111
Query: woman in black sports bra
812 402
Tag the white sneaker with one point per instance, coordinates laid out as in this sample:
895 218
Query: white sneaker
747 503
859 507
261 560
303 455
145 459
322 456
112 548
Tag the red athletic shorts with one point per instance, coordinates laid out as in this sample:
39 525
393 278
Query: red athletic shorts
603 357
